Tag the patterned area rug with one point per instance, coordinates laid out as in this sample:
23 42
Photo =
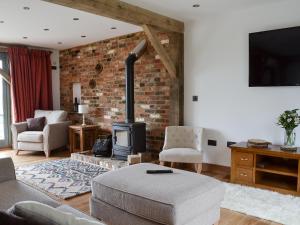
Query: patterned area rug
64 178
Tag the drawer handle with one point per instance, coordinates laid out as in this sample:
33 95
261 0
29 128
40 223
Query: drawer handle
243 174
244 159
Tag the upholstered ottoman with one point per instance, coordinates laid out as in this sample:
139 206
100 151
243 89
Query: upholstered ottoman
130 196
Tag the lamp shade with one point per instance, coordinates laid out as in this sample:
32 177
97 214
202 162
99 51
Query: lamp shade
83 109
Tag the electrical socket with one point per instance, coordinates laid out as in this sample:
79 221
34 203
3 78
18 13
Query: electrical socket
230 143
212 142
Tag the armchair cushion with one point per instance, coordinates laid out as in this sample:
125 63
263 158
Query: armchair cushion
31 136
55 116
183 137
181 155
36 124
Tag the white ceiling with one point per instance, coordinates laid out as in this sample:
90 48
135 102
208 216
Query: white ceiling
31 23
183 9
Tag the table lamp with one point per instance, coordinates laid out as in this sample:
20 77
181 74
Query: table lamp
83 109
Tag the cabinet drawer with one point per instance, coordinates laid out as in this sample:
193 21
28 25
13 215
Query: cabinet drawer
244 175
244 159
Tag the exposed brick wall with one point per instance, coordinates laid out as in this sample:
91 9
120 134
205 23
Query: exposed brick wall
107 99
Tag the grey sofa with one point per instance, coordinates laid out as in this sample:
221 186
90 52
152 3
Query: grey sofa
54 135
13 191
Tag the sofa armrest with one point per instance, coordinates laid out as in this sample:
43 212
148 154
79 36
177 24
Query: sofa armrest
7 169
55 135
17 128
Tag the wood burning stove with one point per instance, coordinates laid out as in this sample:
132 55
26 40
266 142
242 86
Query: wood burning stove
129 137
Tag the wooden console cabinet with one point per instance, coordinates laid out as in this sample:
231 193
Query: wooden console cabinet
269 168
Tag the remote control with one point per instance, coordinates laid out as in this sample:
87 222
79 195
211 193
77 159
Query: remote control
159 171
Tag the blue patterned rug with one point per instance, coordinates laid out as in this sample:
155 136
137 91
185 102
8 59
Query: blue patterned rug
64 178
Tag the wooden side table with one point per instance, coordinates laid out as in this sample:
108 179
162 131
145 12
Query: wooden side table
87 135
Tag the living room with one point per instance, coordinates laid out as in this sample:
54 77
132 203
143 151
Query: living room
124 104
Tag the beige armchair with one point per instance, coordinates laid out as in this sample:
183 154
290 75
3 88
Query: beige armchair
54 135
182 145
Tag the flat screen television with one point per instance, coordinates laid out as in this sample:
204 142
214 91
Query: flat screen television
274 58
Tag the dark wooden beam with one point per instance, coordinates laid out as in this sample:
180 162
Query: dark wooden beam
163 54
123 11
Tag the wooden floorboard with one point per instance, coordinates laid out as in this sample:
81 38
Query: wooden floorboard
228 217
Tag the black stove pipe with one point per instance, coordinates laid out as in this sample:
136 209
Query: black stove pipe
129 73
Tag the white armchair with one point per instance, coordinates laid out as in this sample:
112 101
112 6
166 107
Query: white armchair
182 145
54 135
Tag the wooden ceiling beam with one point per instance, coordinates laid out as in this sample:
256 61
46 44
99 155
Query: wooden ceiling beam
123 11
163 54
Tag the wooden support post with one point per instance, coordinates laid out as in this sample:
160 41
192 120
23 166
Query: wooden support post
173 60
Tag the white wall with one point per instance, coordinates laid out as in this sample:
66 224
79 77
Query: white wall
216 69
55 79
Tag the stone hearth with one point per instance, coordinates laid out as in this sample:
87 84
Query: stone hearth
105 162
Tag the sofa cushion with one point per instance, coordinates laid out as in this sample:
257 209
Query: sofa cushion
75 212
164 198
11 219
54 116
184 155
47 215
36 124
14 191
31 136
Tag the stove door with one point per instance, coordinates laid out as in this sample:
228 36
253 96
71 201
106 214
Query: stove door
122 137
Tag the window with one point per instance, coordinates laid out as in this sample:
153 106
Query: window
5 111
1 105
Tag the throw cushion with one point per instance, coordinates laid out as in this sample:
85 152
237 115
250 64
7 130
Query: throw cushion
10 219
36 124
47 215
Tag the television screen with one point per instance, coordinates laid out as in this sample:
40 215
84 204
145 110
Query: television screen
274 58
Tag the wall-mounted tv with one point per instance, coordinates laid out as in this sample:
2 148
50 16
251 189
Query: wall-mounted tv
274 58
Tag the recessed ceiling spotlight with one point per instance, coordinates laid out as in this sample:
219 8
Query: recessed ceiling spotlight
46 29
1 21
25 37
75 18
113 28
59 43
26 8
196 5
83 36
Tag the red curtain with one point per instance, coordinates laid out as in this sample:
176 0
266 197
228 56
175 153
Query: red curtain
42 76
31 81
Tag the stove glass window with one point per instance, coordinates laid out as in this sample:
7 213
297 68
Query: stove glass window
122 138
